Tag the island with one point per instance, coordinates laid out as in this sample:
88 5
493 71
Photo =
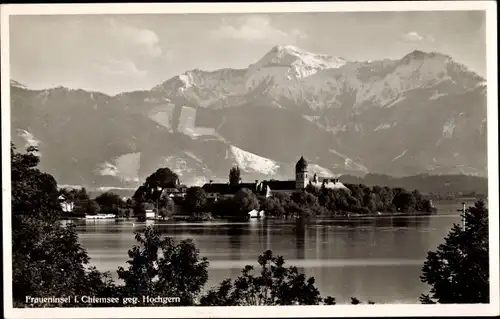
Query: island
163 197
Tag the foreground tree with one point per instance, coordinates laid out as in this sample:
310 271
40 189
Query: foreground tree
49 262
47 259
276 285
458 270
180 272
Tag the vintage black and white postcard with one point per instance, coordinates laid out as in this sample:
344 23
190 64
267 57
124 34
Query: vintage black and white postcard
250 159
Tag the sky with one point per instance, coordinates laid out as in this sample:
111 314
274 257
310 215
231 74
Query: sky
121 53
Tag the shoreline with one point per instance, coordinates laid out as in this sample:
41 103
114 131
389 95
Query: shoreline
180 218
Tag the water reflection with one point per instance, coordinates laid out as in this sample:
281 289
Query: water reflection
235 241
300 241
267 232
378 259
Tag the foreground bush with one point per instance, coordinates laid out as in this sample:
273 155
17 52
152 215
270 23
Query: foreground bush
179 272
48 261
276 285
458 271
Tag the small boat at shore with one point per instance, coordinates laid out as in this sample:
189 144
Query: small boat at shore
100 216
256 214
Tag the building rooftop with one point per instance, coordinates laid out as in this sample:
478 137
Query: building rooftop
301 165
227 189
280 185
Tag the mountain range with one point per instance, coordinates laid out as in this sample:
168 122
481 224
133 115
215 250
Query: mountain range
421 114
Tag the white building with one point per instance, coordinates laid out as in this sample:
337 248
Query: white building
269 188
66 205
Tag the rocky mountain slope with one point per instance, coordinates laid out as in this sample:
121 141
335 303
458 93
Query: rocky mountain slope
423 113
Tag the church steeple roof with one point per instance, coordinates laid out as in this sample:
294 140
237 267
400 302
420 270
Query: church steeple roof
301 165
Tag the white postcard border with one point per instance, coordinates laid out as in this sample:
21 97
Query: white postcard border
243 312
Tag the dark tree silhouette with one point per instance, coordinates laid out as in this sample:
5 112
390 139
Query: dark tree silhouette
404 201
166 208
155 183
273 207
195 200
88 207
47 259
234 175
458 271
276 285
244 201
179 272
109 202
49 262
82 204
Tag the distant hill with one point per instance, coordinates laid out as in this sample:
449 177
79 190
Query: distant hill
426 184
421 113
437 184
119 191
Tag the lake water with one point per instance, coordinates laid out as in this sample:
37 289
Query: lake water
378 259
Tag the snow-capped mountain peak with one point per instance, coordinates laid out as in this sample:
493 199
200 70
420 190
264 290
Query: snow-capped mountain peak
287 74
347 117
285 65
30 139
303 63
250 162
14 83
419 54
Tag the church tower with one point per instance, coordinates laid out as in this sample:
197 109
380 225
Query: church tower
301 178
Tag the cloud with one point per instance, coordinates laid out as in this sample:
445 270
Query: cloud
412 37
92 52
298 34
416 37
144 40
256 28
430 38
125 68
169 55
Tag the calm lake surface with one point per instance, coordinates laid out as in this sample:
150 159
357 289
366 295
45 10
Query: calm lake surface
376 259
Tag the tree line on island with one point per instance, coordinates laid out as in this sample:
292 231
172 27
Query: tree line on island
436 186
357 199
48 260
